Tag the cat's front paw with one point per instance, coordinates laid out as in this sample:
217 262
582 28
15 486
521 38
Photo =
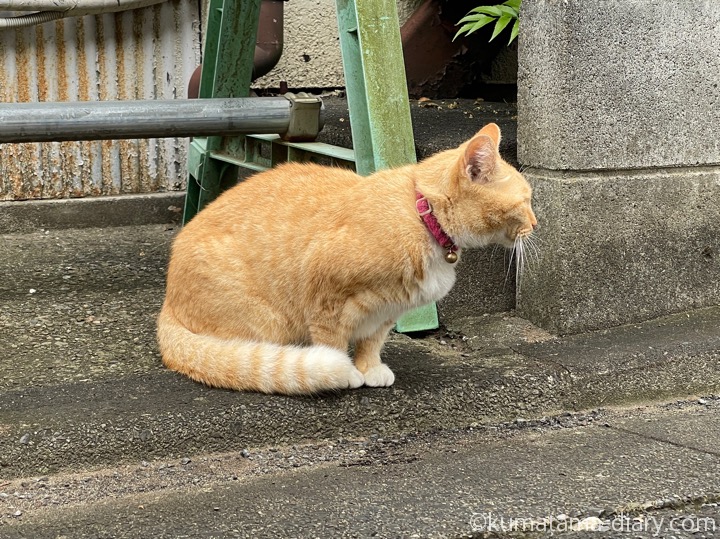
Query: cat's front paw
355 378
379 376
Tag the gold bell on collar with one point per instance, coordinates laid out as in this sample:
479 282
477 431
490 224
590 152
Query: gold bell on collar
451 257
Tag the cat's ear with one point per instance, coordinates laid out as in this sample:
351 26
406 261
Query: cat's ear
481 154
493 131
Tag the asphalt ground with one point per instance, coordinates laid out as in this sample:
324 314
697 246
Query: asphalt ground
644 472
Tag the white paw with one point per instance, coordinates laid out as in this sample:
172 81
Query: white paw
355 378
379 376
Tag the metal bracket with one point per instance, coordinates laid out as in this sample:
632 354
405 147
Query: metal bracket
306 117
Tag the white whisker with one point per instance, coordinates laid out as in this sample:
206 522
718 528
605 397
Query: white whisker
524 252
519 266
532 248
536 240
510 262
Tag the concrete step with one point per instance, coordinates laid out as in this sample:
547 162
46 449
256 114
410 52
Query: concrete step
650 472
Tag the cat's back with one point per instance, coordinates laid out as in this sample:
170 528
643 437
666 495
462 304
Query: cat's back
290 215
296 197
289 187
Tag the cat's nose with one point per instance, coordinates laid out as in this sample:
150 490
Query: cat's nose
535 226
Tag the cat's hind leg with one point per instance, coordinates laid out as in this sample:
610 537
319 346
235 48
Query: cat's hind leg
356 319
367 358
324 334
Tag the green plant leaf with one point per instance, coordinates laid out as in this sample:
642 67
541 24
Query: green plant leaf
514 31
463 29
500 25
474 22
482 22
493 11
501 14
475 18
508 11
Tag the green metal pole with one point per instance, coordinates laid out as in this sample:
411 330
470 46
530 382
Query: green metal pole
378 101
227 72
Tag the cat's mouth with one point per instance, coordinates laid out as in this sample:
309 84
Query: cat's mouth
517 235
524 232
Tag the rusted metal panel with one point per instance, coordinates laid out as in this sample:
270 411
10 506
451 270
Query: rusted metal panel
147 53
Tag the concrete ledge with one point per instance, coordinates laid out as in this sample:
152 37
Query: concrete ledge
619 84
622 247
97 438
640 472
105 419
123 210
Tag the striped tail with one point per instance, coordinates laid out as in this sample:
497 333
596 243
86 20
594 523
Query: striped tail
253 366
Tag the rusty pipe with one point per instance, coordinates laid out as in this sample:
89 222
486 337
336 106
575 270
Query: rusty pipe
268 44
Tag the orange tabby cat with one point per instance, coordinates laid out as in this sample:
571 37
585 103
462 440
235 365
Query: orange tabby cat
270 284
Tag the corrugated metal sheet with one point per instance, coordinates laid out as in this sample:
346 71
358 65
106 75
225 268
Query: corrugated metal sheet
141 54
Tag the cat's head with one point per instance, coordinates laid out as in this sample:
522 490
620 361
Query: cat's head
491 200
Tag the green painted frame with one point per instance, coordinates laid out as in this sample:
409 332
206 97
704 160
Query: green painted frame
378 102
226 72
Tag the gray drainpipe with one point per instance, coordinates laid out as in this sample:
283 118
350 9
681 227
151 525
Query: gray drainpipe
50 10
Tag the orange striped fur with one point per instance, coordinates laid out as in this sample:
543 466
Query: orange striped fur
269 285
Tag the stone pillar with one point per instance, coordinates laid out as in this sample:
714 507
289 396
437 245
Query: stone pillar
619 131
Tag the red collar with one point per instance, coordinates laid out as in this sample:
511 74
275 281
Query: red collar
425 211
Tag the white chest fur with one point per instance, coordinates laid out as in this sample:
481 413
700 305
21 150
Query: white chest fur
439 280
